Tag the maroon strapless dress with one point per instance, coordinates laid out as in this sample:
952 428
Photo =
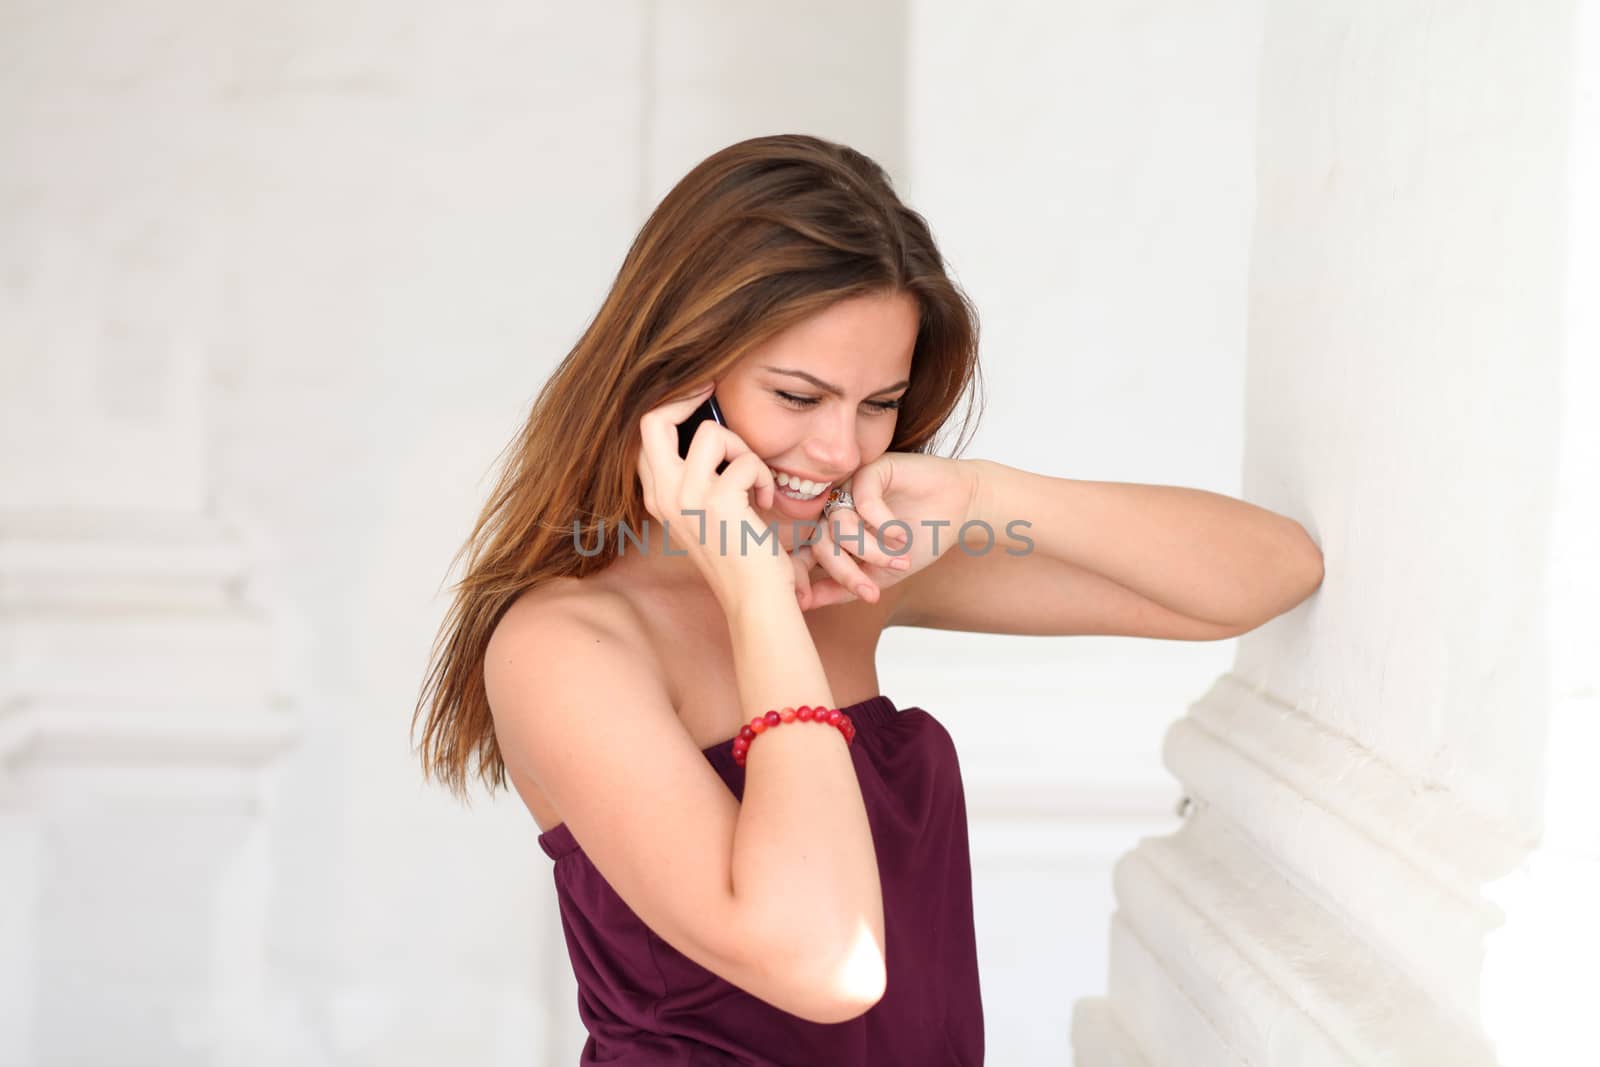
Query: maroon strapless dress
645 1004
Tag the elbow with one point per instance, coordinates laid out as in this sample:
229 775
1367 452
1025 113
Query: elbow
850 1010
1304 577
1312 568
839 1008
1298 576
859 983
841 984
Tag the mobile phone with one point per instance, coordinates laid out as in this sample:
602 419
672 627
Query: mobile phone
686 428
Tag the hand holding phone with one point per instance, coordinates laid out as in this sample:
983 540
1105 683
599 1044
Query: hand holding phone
709 506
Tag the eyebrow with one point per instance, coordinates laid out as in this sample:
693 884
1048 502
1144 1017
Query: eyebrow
833 389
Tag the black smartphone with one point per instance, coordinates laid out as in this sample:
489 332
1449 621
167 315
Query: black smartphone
686 428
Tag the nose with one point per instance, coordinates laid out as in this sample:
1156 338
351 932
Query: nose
833 445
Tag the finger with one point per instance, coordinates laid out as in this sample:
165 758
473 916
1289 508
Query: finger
848 531
825 592
650 483
647 485
668 415
685 404
825 589
658 447
710 445
745 471
659 426
876 514
750 473
821 591
842 567
867 487
802 582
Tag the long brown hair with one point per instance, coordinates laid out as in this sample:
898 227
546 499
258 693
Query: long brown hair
754 239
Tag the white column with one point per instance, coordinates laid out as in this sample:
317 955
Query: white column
1399 772
1537 993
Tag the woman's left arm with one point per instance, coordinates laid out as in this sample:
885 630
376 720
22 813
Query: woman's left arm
1110 558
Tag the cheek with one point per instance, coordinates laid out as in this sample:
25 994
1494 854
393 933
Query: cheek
754 432
764 436
876 442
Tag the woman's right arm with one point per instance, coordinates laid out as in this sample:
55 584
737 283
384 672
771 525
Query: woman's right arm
779 896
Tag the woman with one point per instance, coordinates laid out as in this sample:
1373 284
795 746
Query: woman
758 857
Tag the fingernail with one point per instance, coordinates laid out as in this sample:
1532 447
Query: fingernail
900 563
864 591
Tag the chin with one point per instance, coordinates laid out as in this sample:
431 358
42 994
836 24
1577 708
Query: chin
784 522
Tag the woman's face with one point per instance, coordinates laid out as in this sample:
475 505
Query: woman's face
820 399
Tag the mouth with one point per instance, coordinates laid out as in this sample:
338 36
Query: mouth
796 488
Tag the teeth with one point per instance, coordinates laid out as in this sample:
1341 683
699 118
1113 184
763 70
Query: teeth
798 487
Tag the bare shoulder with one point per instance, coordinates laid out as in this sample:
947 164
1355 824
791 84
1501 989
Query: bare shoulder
549 641
607 619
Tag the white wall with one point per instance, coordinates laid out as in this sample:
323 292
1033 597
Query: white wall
417 230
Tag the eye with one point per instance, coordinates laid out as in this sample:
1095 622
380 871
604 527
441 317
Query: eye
880 406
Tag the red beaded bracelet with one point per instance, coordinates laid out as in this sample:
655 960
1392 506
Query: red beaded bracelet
804 713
